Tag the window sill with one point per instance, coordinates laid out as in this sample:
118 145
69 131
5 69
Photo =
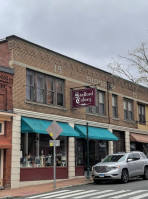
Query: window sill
94 114
129 121
114 118
45 105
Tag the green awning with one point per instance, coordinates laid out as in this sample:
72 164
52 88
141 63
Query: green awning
95 133
33 125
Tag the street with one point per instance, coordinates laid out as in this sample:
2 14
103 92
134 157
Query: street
134 189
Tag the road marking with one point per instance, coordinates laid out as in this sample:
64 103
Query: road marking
140 196
60 194
46 194
75 194
128 194
110 194
91 194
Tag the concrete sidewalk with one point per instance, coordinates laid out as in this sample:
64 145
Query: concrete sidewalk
37 189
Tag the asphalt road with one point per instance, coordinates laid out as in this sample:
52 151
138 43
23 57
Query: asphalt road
134 189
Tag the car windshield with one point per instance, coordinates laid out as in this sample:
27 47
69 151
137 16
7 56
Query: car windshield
114 158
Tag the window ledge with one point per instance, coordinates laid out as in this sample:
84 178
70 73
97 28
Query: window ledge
46 105
114 118
130 121
93 114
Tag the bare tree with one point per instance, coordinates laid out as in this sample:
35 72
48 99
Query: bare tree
134 66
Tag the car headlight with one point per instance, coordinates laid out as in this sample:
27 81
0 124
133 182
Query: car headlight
115 167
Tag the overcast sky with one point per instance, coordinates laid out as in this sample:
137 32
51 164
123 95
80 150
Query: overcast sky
91 31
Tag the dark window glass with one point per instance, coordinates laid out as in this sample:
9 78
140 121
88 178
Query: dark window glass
30 86
128 109
114 106
141 112
49 90
0 127
59 89
40 88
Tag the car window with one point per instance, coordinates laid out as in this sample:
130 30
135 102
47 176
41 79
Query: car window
114 158
136 156
130 156
143 155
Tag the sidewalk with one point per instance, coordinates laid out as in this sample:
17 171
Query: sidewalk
37 189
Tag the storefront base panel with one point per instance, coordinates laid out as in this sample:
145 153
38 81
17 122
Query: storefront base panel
33 174
79 171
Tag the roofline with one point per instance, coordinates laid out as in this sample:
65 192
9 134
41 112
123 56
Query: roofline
14 36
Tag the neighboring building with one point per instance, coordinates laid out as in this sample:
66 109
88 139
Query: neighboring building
6 109
42 87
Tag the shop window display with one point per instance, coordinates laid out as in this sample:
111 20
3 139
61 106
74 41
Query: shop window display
36 152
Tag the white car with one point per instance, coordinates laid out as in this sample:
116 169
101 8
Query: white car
121 166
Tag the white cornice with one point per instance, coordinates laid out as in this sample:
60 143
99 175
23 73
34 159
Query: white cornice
44 116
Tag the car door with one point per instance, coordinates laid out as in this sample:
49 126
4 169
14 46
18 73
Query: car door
131 165
139 164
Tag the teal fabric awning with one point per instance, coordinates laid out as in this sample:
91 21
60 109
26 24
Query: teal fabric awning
95 133
33 125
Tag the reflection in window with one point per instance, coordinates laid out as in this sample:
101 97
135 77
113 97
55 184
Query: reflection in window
100 104
36 151
44 89
114 106
141 112
128 109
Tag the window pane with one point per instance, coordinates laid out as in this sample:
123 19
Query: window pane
125 104
125 114
59 86
30 78
130 106
101 109
40 81
39 96
29 93
101 97
49 83
60 99
49 97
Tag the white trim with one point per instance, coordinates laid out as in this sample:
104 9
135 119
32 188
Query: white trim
38 115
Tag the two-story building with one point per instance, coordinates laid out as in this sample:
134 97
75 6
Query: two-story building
43 83
6 114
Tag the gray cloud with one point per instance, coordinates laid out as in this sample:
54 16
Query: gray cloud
92 31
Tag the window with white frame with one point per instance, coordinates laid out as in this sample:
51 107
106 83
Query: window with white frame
128 109
114 106
141 113
100 104
1 128
44 88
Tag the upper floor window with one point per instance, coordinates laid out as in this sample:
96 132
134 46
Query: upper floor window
100 104
44 88
128 109
114 106
141 113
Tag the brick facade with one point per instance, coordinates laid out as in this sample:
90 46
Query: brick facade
76 74
21 55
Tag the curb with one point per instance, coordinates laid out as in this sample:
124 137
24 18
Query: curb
7 197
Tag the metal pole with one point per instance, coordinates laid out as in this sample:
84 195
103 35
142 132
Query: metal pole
54 160
88 170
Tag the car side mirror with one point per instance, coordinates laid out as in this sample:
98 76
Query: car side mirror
129 160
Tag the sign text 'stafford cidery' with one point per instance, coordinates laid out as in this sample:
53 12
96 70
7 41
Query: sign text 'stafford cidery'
83 98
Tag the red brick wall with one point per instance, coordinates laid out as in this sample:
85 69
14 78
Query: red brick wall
4 54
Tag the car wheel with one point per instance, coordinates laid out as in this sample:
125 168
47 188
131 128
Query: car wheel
145 177
124 176
97 181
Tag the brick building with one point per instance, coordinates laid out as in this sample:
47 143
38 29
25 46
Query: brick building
42 87
6 109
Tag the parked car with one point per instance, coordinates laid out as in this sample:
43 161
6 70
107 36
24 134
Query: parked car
121 166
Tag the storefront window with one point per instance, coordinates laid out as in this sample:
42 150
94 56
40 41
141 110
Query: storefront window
36 152
119 146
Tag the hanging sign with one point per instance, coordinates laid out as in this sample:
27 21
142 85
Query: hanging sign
84 98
